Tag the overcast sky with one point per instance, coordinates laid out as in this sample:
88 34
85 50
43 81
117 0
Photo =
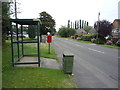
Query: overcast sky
62 10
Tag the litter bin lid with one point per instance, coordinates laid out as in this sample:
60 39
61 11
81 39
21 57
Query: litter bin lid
66 53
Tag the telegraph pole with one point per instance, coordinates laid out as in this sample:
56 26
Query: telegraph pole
17 28
98 24
15 10
99 16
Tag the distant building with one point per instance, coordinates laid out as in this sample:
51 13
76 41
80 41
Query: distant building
116 23
116 28
92 31
119 10
81 31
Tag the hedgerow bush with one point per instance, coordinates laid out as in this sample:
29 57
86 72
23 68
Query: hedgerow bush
100 41
88 37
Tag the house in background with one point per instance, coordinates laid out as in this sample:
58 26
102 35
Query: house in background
116 23
81 31
116 30
93 31
119 9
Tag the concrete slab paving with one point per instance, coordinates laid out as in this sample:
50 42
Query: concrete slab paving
49 63
44 62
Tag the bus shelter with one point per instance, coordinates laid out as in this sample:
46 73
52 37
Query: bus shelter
19 41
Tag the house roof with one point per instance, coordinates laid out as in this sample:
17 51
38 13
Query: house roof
80 30
26 21
118 20
93 31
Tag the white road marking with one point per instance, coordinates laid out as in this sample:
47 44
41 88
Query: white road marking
96 50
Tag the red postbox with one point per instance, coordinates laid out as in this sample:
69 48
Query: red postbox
49 38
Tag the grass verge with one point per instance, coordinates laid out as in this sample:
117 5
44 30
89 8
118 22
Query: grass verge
28 77
44 51
105 45
110 46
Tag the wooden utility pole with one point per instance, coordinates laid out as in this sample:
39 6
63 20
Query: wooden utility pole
99 16
15 10
98 25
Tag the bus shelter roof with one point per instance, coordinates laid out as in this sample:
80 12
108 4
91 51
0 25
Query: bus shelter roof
26 21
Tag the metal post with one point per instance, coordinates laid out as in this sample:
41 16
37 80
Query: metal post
22 40
49 48
98 25
38 39
17 40
15 10
12 49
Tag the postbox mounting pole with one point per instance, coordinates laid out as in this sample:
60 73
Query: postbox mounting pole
49 48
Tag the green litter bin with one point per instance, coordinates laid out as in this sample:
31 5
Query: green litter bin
68 58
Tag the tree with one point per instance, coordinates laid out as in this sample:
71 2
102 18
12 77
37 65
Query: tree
87 24
75 25
103 28
53 31
48 23
68 24
87 28
5 20
66 32
32 31
80 24
71 25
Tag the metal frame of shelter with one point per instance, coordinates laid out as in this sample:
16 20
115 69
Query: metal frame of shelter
18 42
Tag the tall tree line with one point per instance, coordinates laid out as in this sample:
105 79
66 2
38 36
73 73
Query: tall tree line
5 19
77 24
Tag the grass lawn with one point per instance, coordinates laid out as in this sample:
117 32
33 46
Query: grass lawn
32 77
44 51
62 37
82 41
110 46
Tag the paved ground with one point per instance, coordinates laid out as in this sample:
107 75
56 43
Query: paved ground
45 62
94 66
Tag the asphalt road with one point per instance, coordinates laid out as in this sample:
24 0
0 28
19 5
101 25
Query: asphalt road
94 66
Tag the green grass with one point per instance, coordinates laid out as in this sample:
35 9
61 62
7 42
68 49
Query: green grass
89 42
111 46
31 48
31 77
44 51
61 37
83 41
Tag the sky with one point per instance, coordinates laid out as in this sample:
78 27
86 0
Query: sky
64 10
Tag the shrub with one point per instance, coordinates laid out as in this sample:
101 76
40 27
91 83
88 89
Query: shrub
78 38
72 37
93 40
115 40
87 28
66 32
88 37
109 42
118 43
32 31
100 40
